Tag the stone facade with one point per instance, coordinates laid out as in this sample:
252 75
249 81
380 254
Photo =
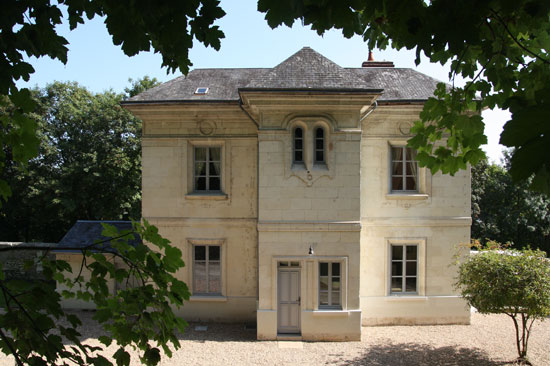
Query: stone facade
278 228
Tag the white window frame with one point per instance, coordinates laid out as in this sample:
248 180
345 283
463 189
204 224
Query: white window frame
403 174
423 180
420 243
225 170
208 176
197 296
403 262
329 291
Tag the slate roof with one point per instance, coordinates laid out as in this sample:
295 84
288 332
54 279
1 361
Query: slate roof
305 70
84 232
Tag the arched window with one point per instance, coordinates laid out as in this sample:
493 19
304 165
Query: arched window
298 146
319 146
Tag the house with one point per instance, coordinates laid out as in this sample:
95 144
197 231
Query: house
296 203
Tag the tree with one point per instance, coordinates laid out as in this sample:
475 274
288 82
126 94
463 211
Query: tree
499 47
88 166
506 212
141 316
511 282
28 27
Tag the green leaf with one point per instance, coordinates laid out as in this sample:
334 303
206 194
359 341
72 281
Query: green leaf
122 357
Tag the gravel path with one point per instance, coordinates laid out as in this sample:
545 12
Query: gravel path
488 341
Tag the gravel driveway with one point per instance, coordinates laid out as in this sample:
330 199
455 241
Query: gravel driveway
489 340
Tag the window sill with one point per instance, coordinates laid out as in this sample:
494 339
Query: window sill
206 196
406 298
207 298
407 196
330 313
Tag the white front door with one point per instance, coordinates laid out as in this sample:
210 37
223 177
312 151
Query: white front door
288 300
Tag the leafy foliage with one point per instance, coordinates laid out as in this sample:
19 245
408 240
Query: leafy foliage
28 28
37 331
505 211
511 282
88 167
499 47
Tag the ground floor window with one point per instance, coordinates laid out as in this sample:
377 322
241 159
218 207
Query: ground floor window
207 270
404 269
330 285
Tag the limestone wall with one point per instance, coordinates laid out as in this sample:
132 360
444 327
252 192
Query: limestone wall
436 218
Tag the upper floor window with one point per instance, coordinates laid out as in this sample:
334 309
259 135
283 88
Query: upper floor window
404 169
298 146
319 146
404 259
329 285
207 169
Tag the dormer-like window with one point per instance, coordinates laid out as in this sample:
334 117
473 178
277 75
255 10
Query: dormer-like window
319 146
298 146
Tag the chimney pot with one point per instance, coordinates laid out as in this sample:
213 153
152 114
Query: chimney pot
371 56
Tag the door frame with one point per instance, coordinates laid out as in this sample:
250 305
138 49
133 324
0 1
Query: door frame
298 329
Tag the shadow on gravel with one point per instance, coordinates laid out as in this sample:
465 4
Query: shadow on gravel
217 332
409 354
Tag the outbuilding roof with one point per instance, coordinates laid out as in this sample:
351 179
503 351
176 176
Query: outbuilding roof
304 70
85 232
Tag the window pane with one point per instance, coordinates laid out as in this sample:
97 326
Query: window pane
214 169
319 144
397 168
411 184
319 133
411 268
298 132
336 284
397 252
214 184
323 269
323 283
200 168
335 298
397 184
336 269
213 253
319 156
298 144
412 168
200 184
200 154
396 284
214 276
295 264
199 277
298 156
397 268
397 153
323 298
215 153
411 252
200 253
410 284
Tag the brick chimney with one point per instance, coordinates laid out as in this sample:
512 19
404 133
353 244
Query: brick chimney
372 63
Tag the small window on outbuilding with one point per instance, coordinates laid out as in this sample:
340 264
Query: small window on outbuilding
201 90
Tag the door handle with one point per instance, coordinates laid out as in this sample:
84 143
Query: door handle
299 300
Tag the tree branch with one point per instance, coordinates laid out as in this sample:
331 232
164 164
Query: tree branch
517 41
12 349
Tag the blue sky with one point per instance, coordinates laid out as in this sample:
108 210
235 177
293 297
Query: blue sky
94 62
